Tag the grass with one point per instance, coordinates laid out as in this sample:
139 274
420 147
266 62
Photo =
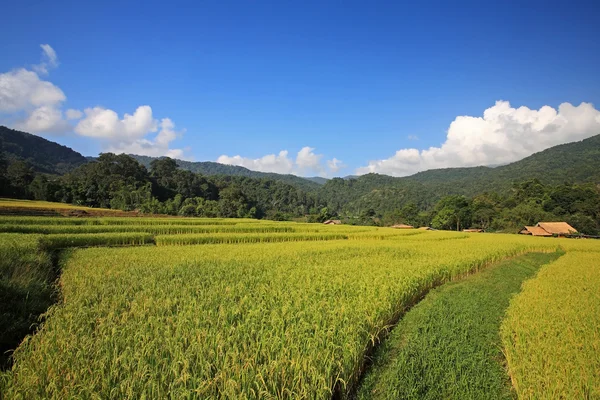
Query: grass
448 346
552 330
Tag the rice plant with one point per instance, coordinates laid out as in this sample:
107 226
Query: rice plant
278 320
551 333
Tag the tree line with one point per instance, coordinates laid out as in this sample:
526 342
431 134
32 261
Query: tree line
121 182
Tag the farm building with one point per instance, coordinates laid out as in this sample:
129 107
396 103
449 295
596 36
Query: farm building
426 228
473 230
333 222
402 226
549 229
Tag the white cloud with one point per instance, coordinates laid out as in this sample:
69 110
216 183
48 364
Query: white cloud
23 90
504 134
412 137
35 105
73 114
49 60
306 163
104 123
129 134
307 159
44 119
335 165
280 163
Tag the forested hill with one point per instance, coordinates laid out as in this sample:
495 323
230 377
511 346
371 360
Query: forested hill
577 162
212 168
43 155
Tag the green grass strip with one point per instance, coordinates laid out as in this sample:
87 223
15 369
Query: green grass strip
448 346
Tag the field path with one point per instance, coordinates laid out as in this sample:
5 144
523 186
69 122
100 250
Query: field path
448 346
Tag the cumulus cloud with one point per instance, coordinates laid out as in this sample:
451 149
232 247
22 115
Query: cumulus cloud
22 90
307 159
279 163
129 134
44 119
306 163
35 105
504 134
104 123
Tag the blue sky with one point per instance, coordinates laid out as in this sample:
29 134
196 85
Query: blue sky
387 87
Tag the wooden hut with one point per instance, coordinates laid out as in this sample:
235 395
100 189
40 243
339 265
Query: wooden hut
333 222
549 229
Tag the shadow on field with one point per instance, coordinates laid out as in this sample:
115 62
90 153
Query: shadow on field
27 289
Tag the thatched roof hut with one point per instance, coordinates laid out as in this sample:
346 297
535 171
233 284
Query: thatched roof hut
473 230
557 228
333 222
549 229
534 231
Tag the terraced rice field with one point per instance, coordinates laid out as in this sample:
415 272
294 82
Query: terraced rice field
215 308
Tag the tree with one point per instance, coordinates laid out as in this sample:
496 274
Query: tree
452 212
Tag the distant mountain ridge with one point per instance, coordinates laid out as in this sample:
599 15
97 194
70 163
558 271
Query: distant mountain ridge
576 162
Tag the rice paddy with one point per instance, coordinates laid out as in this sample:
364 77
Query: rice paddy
218 308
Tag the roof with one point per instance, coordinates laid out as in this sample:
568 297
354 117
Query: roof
333 222
402 226
557 228
535 231
426 228
473 230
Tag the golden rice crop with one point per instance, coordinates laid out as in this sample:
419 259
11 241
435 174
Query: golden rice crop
167 240
551 333
21 220
154 229
63 241
265 320
19 203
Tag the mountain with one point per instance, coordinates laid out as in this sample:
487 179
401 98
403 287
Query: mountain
52 158
213 168
577 162
44 155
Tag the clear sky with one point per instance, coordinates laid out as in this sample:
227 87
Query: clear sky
312 88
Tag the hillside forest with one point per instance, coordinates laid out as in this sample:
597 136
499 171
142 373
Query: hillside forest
494 199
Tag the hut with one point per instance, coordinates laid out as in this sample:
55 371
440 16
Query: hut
534 231
557 228
426 228
333 222
473 230
549 229
402 226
